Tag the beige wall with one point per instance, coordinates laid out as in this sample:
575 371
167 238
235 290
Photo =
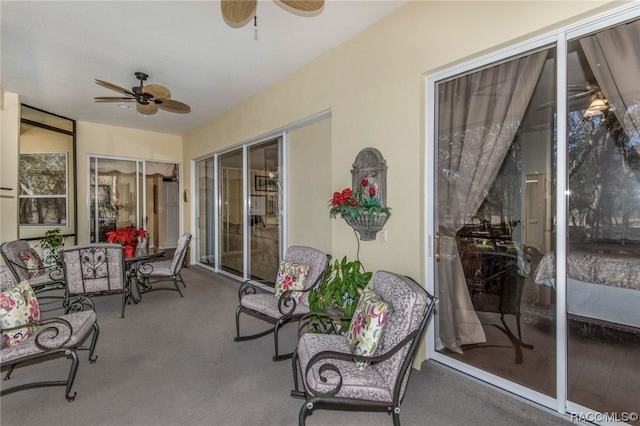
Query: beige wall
99 139
373 86
9 134
309 183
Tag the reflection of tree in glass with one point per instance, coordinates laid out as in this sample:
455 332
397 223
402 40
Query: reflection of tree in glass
43 188
604 173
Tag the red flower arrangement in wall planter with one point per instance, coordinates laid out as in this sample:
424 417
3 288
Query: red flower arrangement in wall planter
127 237
361 209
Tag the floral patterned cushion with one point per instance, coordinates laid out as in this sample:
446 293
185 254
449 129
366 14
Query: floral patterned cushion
32 262
18 306
367 325
291 276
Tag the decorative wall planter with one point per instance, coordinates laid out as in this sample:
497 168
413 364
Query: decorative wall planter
365 226
364 205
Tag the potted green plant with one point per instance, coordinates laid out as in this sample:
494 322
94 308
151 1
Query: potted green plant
51 243
338 293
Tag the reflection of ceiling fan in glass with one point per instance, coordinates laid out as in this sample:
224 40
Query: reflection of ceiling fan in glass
238 13
597 102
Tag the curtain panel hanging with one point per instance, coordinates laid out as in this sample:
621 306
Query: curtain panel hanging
479 116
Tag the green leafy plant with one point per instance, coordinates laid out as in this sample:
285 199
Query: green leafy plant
354 203
338 292
51 243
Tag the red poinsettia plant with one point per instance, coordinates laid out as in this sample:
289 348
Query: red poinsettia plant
126 236
354 203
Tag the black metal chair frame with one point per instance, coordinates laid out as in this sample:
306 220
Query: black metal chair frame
328 400
94 272
286 306
49 329
146 269
56 277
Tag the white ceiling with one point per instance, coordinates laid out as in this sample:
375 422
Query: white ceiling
51 53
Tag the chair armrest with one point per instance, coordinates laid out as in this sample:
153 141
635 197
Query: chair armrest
249 287
321 323
51 333
324 358
55 274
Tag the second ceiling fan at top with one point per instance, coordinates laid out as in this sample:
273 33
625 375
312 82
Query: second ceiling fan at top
237 13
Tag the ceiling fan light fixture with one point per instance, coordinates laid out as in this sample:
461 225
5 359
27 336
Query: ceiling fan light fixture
597 106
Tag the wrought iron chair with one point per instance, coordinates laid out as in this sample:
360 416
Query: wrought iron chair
40 279
50 338
94 270
164 270
330 376
255 300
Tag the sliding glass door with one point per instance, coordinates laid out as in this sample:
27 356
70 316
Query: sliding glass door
115 191
494 163
603 223
537 226
238 205
134 192
232 217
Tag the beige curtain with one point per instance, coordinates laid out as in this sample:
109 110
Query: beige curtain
614 57
478 117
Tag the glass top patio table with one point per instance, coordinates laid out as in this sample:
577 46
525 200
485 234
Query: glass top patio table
142 255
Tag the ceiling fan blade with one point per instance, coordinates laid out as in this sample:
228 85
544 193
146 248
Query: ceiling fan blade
148 109
112 99
173 106
304 5
237 13
157 91
114 87
569 98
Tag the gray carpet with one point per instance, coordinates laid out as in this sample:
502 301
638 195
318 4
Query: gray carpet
173 361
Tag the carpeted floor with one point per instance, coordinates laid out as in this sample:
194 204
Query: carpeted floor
173 361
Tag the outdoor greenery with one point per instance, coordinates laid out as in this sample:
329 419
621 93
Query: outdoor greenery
43 188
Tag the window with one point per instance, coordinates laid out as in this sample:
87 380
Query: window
47 174
43 189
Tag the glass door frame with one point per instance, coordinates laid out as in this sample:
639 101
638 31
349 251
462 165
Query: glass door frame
282 210
559 38
141 189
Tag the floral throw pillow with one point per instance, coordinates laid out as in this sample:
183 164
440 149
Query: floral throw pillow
367 325
32 262
291 276
18 307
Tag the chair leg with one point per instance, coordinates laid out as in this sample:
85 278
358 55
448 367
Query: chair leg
125 297
396 416
277 357
296 393
239 338
305 410
181 280
72 375
175 282
94 341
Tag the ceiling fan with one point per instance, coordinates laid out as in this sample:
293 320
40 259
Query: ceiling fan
237 13
592 90
148 98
